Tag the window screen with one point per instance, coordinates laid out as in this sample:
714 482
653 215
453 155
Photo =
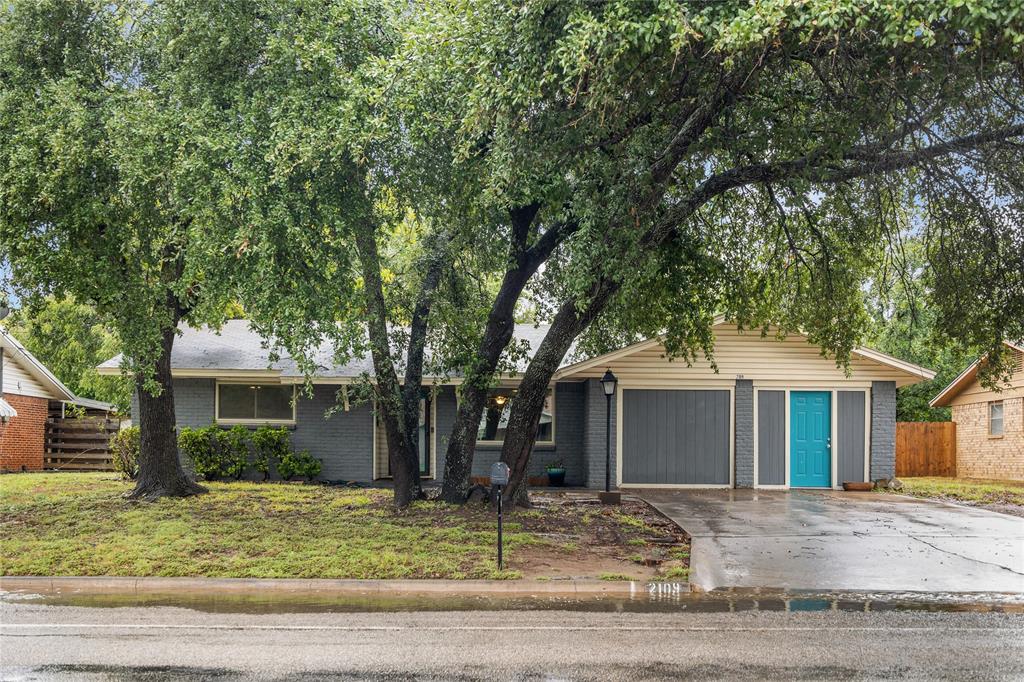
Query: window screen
497 409
267 402
995 419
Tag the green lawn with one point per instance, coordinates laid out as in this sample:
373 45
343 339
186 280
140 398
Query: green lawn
79 524
966 490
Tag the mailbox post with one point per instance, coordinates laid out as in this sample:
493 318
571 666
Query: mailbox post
499 479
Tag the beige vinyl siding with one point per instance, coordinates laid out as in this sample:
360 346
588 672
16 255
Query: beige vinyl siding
767 361
974 392
18 381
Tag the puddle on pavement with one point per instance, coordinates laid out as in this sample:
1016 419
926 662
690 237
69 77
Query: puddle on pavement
719 601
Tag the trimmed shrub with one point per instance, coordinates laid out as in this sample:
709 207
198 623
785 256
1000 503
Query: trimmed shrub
200 445
124 448
233 446
216 452
298 464
269 445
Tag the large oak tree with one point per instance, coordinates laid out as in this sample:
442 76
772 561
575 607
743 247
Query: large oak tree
334 244
734 157
109 114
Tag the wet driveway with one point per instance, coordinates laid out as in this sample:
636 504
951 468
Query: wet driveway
826 540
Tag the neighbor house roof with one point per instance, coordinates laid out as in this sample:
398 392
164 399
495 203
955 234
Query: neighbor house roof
6 411
966 377
90 403
16 353
235 350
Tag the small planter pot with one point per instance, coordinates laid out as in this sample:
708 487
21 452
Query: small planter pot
858 486
556 477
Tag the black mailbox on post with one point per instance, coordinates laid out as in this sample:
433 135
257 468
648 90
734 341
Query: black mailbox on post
499 479
499 474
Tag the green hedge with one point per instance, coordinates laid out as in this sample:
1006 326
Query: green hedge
218 453
124 449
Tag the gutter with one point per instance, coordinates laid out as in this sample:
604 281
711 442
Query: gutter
114 585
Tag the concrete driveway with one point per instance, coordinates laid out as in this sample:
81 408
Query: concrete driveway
825 540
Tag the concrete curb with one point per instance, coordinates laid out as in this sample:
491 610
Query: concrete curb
266 586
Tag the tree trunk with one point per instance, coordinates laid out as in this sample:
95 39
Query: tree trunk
160 472
527 406
499 330
405 471
437 249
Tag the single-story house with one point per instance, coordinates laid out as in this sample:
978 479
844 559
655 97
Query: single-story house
28 393
989 424
776 414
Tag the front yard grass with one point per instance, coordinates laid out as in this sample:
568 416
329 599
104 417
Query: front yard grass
79 524
1004 496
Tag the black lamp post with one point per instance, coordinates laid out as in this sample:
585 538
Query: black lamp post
608 382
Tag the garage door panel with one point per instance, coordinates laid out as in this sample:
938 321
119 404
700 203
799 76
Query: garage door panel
675 436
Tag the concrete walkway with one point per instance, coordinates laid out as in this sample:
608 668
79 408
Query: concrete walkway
825 540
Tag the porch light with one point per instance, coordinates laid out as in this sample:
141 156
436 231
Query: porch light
608 382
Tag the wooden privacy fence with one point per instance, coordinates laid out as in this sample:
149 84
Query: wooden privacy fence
925 449
80 444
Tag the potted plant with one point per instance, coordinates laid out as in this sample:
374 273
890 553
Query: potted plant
556 473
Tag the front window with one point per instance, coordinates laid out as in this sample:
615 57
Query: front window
497 409
995 419
255 403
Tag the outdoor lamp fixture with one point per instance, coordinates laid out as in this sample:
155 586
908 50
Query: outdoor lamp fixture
608 383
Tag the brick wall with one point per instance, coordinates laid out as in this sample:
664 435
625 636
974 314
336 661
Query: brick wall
22 438
978 455
343 441
883 430
594 435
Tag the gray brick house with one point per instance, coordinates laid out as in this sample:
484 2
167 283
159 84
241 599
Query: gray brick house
771 413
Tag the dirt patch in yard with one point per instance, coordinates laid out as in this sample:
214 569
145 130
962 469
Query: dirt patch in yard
584 539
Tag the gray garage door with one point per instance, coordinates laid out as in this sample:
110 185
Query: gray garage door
675 436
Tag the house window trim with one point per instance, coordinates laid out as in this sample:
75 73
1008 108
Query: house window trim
243 421
1002 418
541 443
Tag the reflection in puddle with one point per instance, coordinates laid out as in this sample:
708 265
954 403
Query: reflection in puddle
718 601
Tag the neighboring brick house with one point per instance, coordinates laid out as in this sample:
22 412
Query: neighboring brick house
770 414
27 389
989 424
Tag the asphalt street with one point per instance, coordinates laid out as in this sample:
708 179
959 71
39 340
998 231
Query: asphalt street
73 642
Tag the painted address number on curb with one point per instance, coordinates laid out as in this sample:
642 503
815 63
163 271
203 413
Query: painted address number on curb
658 589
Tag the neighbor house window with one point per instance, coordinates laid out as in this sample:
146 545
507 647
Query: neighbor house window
255 403
995 419
497 409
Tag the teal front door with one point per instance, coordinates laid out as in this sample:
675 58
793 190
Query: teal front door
810 439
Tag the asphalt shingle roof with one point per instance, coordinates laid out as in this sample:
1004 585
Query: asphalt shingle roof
235 346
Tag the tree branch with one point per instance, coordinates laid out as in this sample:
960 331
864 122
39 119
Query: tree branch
808 167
